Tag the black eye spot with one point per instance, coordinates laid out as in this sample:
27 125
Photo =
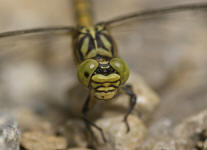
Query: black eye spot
86 74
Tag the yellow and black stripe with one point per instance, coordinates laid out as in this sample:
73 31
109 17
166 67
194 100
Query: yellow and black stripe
105 87
90 42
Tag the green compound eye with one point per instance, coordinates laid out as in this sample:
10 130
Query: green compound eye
121 67
85 71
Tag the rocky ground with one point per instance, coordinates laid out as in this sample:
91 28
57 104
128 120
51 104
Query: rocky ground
41 99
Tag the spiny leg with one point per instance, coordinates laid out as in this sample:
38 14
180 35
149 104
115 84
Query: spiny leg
128 90
86 107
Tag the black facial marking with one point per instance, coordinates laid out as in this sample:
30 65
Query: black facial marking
86 74
105 69
91 44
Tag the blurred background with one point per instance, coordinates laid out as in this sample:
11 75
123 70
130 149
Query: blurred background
37 72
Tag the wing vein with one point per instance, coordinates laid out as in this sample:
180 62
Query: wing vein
36 30
157 11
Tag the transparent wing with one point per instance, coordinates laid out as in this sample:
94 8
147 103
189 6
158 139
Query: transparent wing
156 12
36 63
63 29
16 45
160 45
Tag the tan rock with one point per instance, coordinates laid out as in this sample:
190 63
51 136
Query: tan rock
147 100
9 132
165 145
75 132
40 141
159 136
28 120
115 131
190 131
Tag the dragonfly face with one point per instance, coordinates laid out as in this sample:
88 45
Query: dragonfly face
100 70
103 77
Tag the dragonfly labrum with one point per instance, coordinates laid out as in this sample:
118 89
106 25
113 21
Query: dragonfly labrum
99 67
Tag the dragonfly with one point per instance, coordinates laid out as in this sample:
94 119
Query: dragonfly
99 67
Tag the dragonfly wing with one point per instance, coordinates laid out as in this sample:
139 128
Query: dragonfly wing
36 63
63 29
21 43
156 12
158 47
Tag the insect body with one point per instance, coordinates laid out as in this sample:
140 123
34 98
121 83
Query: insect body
98 65
99 68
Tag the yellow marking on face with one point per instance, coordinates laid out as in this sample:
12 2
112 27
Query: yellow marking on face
109 78
104 95
116 83
102 61
105 89
107 84
95 85
84 47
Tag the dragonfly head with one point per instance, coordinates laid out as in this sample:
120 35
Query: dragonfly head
103 77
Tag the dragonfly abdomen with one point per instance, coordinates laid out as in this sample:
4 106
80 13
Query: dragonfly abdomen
83 13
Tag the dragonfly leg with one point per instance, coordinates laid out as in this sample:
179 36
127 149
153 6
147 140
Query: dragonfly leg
128 90
86 107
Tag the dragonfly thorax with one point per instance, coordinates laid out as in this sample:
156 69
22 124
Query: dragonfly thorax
93 41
